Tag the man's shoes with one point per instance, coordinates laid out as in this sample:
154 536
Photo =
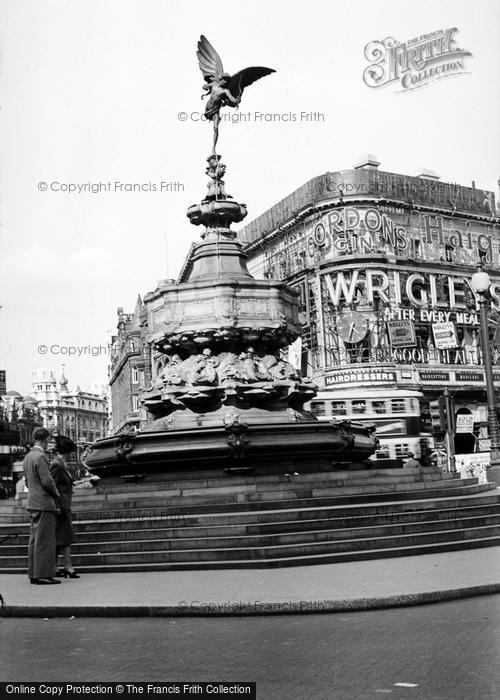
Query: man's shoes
43 581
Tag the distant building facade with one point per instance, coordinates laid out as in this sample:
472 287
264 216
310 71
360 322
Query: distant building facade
19 416
78 414
130 370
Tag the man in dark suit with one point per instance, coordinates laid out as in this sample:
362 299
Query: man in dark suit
42 509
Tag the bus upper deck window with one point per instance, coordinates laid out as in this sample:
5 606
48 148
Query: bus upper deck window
318 408
379 407
398 405
338 408
358 406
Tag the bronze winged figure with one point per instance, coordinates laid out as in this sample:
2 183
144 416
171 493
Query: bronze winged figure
222 88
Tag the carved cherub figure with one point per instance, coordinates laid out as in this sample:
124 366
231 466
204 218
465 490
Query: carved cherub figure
203 368
171 372
221 88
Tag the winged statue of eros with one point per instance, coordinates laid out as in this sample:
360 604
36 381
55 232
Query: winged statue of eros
222 88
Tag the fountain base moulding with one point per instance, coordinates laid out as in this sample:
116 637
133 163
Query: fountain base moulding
236 447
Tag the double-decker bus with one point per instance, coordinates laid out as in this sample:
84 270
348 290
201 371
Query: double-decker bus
394 412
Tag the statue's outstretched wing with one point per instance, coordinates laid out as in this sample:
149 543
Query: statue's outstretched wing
247 76
208 59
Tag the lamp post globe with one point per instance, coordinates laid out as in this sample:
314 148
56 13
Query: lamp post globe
481 281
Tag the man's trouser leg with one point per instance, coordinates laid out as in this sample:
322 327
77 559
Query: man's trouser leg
42 544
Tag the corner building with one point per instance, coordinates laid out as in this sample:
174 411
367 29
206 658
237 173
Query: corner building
383 264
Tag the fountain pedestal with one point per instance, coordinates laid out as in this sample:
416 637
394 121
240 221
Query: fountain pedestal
226 395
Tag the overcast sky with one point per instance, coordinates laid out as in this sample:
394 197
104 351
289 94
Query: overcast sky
92 91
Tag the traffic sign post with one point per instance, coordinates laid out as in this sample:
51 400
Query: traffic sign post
450 432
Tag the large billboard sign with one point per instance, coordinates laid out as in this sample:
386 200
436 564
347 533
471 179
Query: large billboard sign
367 230
450 297
384 230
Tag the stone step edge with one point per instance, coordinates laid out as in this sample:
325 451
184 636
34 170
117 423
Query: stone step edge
353 501
121 548
81 534
138 497
238 480
315 501
273 528
302 560
467 523
290 547
401 506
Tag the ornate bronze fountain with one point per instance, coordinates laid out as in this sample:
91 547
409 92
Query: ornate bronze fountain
226 398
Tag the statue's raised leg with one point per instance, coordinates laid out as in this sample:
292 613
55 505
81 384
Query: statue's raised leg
216 132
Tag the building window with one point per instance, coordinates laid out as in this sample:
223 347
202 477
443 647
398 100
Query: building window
135 375
135 402
398 405
402 449
383 452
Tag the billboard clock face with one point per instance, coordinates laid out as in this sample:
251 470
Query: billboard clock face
352 327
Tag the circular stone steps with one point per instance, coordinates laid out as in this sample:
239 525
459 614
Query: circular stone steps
267 521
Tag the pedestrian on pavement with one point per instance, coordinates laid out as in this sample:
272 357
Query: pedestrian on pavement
412 462
64 482
20 487
42 509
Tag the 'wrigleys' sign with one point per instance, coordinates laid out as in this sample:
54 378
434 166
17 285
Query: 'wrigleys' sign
416 62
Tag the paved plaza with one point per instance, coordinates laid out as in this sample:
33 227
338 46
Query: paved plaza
362 585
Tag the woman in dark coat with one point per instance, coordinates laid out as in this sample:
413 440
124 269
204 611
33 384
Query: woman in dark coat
64 482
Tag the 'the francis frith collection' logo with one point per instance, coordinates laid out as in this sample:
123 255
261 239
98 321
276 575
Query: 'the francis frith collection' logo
416 62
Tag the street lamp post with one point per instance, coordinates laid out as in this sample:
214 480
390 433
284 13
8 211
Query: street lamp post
481 284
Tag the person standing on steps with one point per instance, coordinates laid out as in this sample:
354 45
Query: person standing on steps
42 509
412 462
64 526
